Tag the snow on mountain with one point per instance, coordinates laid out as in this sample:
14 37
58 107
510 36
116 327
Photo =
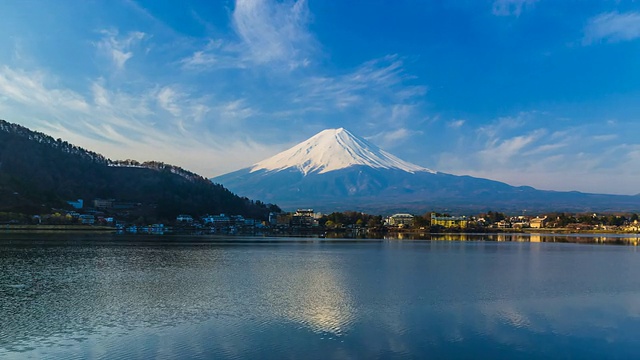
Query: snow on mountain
335 149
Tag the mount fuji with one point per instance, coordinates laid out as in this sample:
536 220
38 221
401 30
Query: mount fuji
336 170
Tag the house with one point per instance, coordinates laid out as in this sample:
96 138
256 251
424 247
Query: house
538 222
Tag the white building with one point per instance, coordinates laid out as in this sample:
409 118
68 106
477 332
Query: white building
400 220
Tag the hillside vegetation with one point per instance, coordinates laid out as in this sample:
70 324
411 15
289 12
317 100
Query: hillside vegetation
38 172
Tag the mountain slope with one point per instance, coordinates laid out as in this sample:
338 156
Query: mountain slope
38 172
334 149
335 170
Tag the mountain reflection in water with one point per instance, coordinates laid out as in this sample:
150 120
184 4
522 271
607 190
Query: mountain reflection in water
115 297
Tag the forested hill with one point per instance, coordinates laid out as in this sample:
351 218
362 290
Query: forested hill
38 172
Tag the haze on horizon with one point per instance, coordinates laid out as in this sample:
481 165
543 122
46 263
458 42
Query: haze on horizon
529 92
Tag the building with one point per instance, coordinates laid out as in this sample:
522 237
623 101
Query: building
538 222
87 219
78 204
633 226
400 220
273 219
503 224
304 218
218 221
184 218
449 221
103 203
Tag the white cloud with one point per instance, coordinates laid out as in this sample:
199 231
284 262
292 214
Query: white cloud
235 110
533 148
216 54
604 137
587 170
274 31
612 27
510 7
200 59
30 89
119 48
393 138
504 124
546 148
167 99
456 124
268 32
506 149
382 76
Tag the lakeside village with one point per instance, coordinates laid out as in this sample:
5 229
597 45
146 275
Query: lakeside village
109 214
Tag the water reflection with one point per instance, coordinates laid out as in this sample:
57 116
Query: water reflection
321 302
386 299
303 285
612 239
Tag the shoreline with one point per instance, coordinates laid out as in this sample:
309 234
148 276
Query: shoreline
56 228
5 228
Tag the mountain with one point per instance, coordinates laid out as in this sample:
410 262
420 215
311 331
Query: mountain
336 170
332 150
38 172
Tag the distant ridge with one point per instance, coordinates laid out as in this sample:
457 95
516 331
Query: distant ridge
337 170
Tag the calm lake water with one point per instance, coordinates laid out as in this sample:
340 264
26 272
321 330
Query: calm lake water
116 297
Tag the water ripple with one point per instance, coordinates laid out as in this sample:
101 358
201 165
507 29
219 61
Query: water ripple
372 300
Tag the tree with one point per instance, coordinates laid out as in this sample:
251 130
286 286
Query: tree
422 220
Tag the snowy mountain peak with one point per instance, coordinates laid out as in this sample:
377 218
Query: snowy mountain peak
334 149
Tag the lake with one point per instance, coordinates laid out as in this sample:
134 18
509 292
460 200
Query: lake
77 296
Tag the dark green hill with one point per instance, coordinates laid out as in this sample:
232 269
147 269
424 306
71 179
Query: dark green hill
38 172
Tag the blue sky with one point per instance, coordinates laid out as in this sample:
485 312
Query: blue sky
530 92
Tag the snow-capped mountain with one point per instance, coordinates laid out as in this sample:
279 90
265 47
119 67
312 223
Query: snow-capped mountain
334 149
335 170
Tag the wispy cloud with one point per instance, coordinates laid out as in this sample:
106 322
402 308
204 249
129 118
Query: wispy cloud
273 42
274 32
141 123
382 75
511 7
534 148
504 124
604 137
216 54
119 49
30 88
546 148
167 99
267 32
506 149
612 27
393 138
456 124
